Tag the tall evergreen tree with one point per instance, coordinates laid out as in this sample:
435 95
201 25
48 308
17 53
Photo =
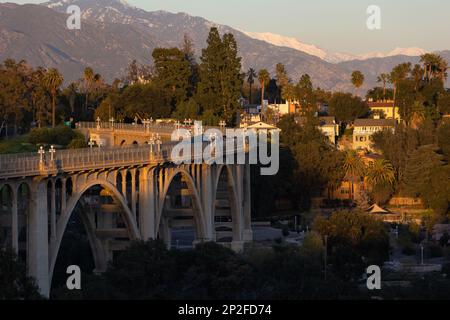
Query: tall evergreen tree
220 83
172 73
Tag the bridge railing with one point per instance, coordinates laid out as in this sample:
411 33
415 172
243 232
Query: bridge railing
163 128
30 164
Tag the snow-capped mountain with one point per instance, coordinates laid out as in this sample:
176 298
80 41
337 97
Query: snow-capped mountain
333 57
114 33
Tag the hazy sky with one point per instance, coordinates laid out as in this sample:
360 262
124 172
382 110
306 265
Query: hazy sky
338 25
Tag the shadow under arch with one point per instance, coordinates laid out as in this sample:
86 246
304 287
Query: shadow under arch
199 219
64 219
232 197
6 203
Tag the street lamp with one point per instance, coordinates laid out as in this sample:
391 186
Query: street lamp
91 143
98 123
158 143
135 120
112 122
41 155
151 143
52 152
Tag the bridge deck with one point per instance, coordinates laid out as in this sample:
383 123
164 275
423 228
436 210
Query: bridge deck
29 164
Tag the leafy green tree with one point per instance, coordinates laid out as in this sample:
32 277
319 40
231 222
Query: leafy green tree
379 94
444 103
318 164
399 73
14 283
187 110
220 83
172 73
421 163
443 137
355 241
13 91
305 94
347 108
396 146
188 48
282 80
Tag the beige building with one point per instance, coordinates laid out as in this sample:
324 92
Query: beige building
364 129
330 128
386 109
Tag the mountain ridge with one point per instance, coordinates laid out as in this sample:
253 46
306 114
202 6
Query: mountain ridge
114 33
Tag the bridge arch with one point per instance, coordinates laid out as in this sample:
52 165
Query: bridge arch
71 205
233 198
7 192
199 216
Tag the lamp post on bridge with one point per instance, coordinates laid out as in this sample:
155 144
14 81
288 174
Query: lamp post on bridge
91 143
158 143
135 121
146 123
151 143
41 155
98 120
52 152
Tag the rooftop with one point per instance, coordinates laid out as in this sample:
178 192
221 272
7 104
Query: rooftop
375 123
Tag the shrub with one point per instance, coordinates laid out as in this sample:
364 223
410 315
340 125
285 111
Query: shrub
77 144
61 136
285 231
434 251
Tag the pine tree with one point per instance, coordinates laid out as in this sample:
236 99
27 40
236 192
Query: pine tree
172 73
220 83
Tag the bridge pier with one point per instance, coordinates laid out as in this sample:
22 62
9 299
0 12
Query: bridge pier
38 246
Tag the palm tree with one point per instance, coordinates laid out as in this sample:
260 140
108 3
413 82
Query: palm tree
251 75
354 167
417 115
357 79
88 79
384 78
435 66
417 75
264 78
380 173
53 81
